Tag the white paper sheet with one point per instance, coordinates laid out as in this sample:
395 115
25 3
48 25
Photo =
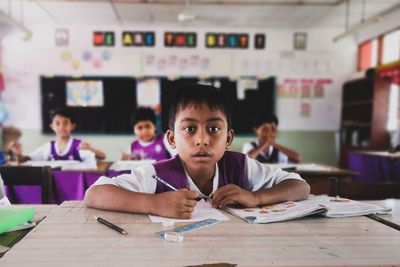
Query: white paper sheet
202 211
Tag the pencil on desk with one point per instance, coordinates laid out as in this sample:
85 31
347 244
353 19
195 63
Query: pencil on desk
111 225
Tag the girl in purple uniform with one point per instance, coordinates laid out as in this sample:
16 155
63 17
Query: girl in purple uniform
200 130
149 145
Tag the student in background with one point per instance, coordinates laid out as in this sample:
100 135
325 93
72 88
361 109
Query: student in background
200 130
65 147
265 149
149 145
10 135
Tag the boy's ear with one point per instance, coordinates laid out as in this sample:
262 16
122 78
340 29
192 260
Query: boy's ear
73 126
229 138
171 138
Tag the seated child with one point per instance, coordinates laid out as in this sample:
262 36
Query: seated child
149 145
265 149
200 130
65 147
10 136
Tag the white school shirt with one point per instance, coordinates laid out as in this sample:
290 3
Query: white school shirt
247 147
43 153
171 151
140 179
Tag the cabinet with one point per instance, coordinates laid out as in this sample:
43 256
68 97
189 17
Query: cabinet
364 116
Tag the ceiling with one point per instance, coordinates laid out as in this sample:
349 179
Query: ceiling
224 13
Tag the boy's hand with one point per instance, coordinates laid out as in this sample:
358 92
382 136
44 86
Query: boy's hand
176 204
16 148
231 193
84 146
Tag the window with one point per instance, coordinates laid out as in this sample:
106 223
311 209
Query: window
393 111
368 55
391 47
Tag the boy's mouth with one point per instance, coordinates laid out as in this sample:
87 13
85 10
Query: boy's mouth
201 154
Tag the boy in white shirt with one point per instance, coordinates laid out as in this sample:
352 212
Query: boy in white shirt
200 130
65 147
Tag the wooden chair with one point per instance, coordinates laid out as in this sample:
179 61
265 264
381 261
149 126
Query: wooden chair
363 190
29 175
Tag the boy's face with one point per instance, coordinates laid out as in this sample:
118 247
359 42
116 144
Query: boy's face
145 130
266 131
200 136
62 126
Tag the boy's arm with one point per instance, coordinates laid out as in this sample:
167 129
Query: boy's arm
292 155
16 148
97 153
287 190
254 152
178 204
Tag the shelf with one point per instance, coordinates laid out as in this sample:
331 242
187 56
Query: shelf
355 123
357 103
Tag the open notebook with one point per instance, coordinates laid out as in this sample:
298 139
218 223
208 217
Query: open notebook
324 205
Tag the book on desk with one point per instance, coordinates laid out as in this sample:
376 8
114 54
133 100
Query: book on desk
323 205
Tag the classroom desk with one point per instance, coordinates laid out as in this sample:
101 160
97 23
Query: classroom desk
70 236
375 166
67 185
11 238
316 175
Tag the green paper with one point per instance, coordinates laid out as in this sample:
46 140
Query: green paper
13 216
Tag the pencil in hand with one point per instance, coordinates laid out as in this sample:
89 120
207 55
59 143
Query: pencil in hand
111 225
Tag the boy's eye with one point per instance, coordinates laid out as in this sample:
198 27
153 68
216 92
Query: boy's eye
213 129
189 129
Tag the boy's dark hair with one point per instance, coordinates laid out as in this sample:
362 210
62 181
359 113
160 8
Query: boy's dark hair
63 112
143 114
197 94
270 118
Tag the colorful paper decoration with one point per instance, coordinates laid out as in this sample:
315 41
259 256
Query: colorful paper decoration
138 38
106 55
65 55
180 39
259 41
87 56
103 38
232 40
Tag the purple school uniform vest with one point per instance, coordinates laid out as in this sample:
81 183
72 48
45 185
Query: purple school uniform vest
232 169
155 150
273 158
72 154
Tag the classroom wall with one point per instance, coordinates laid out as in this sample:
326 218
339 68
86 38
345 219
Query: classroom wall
312 132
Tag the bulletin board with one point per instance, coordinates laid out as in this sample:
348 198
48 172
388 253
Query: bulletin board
110 114
105 104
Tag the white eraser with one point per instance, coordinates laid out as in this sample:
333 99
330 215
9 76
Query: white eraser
173 236
168 223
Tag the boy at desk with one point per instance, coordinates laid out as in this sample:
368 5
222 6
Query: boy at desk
65 147
200 130
149 145
265 149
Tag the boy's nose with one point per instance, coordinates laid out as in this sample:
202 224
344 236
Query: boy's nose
202 140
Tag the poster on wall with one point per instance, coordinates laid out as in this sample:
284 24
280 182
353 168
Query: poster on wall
85 93
148 93
307 101
246 83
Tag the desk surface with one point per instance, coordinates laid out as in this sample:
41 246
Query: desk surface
69 236
9 239
314 169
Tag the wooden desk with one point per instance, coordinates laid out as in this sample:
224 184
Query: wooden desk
392 203
70 236
317 175
11 238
